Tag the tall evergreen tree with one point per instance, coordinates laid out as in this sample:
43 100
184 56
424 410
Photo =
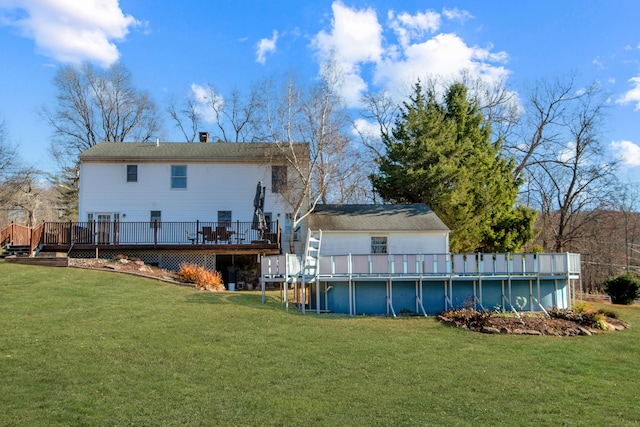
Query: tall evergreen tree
441 154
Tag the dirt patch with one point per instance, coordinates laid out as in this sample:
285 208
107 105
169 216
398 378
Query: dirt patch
526 324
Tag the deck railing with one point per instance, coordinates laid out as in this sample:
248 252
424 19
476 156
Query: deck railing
156 233
15 234
499 264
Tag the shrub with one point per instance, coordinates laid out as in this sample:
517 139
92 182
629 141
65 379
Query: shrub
201 277
623 289
583 315
467 317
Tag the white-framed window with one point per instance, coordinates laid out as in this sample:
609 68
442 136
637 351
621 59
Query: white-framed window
278 179
178 176
155 216
132 173
224 218
379 244
103 216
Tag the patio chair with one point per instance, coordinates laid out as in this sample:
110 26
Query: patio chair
207 235
189 238
223 234
241 237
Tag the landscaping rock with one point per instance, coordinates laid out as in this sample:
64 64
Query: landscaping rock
584 331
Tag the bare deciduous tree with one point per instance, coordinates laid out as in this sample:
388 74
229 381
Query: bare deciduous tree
292 114
7 151
381 111
186 118
9 170
94 106
550 108
569 178
234 116
499 104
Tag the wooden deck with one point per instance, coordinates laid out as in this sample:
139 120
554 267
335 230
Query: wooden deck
237 237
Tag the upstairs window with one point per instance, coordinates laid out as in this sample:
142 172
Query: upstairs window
378 245
178 176
278 179
132 173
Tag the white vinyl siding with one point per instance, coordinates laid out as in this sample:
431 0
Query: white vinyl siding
343 242
211 188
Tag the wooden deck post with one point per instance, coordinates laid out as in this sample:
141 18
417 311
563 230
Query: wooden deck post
155 232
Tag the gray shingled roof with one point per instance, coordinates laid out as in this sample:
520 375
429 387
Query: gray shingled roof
414 217
193 151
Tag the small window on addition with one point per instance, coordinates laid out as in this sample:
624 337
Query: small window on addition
378 245
132 173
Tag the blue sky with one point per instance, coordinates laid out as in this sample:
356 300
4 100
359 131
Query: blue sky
172 48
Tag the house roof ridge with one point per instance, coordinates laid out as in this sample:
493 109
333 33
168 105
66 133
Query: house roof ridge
189 151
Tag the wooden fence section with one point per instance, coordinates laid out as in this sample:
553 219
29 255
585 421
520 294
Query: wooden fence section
16 235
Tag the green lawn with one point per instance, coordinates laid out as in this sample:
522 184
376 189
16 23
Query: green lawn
96 348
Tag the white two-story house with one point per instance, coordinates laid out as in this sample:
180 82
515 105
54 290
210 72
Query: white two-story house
189 196
183 182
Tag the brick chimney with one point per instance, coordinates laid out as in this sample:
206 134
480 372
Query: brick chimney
204 136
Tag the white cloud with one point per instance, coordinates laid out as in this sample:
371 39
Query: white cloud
627 152
633 95
265 46
356 35
205 97
456 14
415 50
367 129
410 27
599 64
443 55
355 39
71 31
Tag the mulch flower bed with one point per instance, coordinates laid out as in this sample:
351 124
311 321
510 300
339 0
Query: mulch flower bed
527 324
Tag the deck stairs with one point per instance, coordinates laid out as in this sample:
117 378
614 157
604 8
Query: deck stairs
311 255
15 250
308 272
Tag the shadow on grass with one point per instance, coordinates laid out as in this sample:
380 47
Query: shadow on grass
245 299
254 300
273 303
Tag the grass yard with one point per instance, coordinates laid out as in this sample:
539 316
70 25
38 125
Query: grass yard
84 347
